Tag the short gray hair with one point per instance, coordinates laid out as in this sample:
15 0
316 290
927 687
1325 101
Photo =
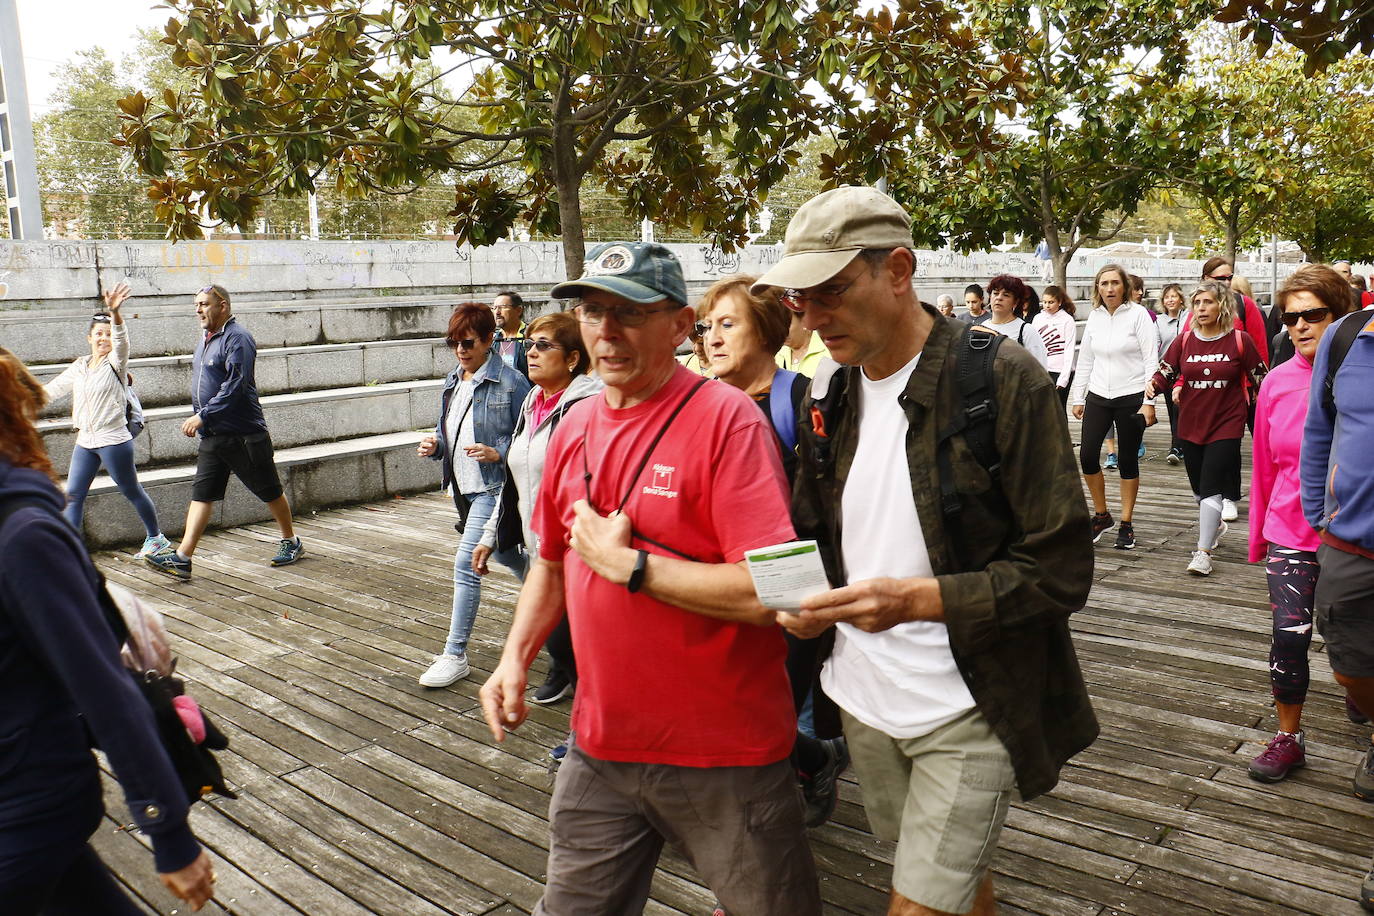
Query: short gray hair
945 299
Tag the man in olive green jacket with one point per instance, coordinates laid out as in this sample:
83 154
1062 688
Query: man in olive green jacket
952 660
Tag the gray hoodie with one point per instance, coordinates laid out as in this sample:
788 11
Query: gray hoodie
526 455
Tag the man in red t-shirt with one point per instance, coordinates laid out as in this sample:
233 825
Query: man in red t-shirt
683 721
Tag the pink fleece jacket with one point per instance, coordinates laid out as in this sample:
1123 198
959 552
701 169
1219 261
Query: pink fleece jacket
1275 488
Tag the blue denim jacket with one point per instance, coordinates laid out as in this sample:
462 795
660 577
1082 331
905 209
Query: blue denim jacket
499 392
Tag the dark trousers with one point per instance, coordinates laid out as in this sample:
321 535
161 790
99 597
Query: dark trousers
559 645
68 881
1214 468
740 828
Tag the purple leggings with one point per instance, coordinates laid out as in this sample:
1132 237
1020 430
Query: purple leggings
1292 576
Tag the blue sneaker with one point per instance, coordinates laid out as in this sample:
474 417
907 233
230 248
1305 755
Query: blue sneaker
1110 463
155 544
170 562
289 552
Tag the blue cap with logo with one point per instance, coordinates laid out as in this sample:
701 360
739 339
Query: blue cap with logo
641 272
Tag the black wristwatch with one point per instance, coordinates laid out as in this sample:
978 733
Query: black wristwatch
637 575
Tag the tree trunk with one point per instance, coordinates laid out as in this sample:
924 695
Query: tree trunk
569 184
1232 231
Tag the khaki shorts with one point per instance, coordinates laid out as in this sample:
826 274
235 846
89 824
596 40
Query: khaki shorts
942 798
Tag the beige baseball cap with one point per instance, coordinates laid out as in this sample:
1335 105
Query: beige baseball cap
829 230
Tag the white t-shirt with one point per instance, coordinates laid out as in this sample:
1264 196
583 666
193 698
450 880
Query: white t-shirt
902 681
1023 334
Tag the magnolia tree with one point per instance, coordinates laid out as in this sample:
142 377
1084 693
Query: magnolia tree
688 111
1097 123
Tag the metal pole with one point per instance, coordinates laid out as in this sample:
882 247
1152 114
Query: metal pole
17 159
314 217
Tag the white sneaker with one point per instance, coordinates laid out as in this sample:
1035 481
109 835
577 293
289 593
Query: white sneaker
1228 511
152 545
1201 564
445 670
1220 531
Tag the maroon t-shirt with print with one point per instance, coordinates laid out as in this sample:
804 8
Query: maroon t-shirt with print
1216 373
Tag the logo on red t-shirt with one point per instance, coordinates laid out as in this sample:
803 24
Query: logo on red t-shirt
662 484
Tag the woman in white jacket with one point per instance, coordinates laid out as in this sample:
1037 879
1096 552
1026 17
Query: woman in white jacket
1120 352
97 384
558 364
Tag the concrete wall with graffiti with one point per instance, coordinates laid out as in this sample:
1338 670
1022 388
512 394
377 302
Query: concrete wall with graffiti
68 276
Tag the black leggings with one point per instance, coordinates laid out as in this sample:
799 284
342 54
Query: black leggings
1214 468
1174 440
1098 416
1063 390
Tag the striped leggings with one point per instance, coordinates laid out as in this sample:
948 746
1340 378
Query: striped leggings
1292 576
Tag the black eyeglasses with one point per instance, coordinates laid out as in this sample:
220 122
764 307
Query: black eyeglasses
826 297
466 343
543 346
1311 316
630 316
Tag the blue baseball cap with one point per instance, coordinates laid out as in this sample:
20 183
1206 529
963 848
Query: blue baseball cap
641 272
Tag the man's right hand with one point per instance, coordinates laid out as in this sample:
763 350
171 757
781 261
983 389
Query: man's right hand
428 445
503 699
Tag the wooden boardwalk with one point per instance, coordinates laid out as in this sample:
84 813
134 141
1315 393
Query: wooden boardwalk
361 792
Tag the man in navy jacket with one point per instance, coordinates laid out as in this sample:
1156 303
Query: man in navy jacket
233 434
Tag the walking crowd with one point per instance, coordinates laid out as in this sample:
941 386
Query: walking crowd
927 452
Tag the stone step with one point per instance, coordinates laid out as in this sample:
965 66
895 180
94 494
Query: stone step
163 381
356 470
293 419
44 337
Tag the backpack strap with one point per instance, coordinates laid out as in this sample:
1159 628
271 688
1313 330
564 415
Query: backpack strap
781 410
976 422
1343 338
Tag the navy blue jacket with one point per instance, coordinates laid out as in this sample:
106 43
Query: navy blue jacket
60 673
223 390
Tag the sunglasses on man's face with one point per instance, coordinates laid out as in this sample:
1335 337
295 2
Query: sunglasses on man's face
1311 316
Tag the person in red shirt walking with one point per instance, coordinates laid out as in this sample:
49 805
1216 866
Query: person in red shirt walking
683 722
1215 361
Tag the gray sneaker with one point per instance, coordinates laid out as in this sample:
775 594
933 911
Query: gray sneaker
170 562
289 552
1364 776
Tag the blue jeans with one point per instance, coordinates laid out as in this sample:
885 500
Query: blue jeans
467 585
119 464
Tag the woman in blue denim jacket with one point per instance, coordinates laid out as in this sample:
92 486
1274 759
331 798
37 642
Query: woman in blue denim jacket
477 416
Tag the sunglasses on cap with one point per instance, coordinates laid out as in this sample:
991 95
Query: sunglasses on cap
100 319
1311 316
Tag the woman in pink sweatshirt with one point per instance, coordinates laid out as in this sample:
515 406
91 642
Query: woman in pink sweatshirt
1310 300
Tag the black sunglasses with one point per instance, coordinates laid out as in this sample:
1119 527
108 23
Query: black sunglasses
100 319
1222 278
466 343
699 329
543 346
1311 316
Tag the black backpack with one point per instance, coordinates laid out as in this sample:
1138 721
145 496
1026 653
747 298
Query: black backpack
976 422
1343 337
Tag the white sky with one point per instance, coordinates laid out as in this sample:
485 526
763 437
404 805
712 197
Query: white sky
52 31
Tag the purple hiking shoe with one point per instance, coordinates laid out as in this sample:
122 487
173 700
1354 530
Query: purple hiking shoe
1284 754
